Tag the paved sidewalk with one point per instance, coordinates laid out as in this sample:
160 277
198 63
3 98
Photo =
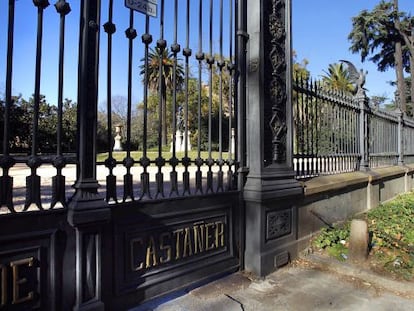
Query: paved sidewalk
312 283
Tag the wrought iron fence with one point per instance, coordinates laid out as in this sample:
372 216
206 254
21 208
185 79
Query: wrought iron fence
194 103
177 133
336 132
23 143
408 140
383 138
326 129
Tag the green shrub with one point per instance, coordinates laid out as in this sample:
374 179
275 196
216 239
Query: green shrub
391 227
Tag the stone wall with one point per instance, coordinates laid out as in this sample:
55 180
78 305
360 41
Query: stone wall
336 198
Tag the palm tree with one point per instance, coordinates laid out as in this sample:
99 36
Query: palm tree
167 80
337 78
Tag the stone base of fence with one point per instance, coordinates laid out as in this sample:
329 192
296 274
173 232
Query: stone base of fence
336 198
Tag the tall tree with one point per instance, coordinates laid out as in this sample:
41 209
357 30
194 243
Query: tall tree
382 34
407 32
162 83
69 120
398 56
299 68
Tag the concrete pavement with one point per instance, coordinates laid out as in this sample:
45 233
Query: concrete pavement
311 283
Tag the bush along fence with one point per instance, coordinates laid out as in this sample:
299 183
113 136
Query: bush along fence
337 132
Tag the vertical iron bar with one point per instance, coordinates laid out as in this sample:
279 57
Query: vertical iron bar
341 138
230 69
312 130
58 181
220 64
351 138
86 185
307 129
88 211
400 137
200 57
162 104
9 70
210 62
240 111
6 162
187 53
346 137
297 125
40 8
356 135
145 162
110 162
175 48
317 128
63 8
131 34
33 181
302 133
364 135
332 147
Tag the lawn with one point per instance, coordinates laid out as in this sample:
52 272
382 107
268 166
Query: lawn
391 226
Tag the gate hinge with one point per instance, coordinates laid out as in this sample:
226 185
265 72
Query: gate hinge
243 34
243 170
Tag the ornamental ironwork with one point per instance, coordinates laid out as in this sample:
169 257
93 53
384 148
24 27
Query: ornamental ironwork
276 108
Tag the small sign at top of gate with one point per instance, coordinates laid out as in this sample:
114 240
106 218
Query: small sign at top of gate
148 7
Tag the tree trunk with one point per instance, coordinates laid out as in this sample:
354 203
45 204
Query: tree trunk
399 64
400 77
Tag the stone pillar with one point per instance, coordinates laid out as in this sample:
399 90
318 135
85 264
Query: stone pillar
271 190
363 132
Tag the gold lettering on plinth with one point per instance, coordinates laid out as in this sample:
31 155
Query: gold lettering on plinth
210 242
133 243
3 270
165 247
199 238
151 254
188 247
219 234
17 281
178 233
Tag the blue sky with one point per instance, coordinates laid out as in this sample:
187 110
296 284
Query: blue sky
25 45
320 30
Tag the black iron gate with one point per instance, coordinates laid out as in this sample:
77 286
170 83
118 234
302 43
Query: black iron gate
110 200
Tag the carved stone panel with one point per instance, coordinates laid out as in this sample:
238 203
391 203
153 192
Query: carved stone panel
278 224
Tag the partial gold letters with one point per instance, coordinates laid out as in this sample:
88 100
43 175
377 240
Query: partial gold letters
177 244
17 281
3 271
